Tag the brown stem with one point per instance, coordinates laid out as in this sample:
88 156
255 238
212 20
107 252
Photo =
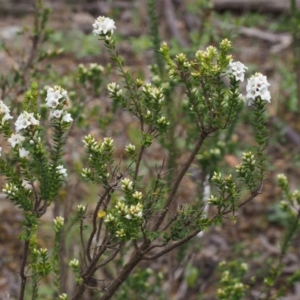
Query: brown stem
173 246
181 174
138 163
89 243
22 270
116 283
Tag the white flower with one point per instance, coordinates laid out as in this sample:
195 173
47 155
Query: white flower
6 117
61 170
257 86
109 218
74 263
52 102
10 189
56 113
67 118
237 69
0 151
137 195
136 210
114 90
23 153
58 223
120 233
130 148
53 97
4 109
103 25
126 184
24 120
56 96
80 208
63 296
16 139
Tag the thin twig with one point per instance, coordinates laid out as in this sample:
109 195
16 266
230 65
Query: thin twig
181 174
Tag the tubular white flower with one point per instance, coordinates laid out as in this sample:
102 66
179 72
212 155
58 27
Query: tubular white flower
136 210
137 195
80 208
6 117
53 97
61 170
237 69
4 109
24 120
56 96
130 148
0 151
63 296
120 233
10 189
258 87
16 139
67 118
74 263
114 90
55 113
109 218
104 26
58 223
23 153
126 184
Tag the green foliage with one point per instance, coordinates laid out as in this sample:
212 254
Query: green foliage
231 285
137 214
139 286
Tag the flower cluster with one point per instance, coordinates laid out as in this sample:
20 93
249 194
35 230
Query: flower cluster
108 144
26 127
103 26
248 164
162 121
130 149
257 87
91 144
61 171
137 195
114 90
58 223
26 120
237 70
4 113
63 296
211 61
10 189
282 180
126 184
123 210
80 208
93 69
245 170
120 233
153 93
74 263
57 99
129 212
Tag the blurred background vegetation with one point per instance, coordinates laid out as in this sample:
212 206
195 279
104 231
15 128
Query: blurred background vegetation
265 37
